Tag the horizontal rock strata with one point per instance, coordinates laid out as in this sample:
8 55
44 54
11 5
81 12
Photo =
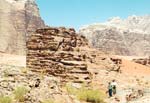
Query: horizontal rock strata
55 51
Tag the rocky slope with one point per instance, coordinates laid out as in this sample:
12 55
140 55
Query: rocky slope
121 36
16 75
62 52
57 57
18 19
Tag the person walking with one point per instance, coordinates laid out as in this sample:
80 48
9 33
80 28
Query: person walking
113 84
110 89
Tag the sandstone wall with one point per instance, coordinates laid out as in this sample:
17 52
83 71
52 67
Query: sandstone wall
56 51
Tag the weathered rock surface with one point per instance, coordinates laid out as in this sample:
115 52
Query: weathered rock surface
18 18
56 51
49 87
143 61
130 36
81 64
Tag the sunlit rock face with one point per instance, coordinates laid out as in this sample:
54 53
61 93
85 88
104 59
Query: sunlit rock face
129 36
59 52
18 18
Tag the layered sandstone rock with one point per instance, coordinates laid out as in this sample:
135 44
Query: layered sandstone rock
56 51
18 19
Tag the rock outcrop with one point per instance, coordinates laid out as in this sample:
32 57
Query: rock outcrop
18 19
56 51
143 61
122 37
61 52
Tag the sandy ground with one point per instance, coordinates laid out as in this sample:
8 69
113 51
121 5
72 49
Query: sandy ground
130 57
135 69
130 71
9 59
133 75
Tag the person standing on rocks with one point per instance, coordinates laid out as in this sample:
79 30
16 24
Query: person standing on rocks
110 89
113 84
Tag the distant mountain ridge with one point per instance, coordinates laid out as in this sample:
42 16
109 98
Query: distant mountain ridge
129 36
18 19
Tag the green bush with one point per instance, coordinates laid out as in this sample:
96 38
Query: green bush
25 70
93 96
5 99
71 90
88 95
6 73
20 93
48 101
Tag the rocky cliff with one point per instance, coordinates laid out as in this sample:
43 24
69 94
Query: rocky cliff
130 36
56 50
18 18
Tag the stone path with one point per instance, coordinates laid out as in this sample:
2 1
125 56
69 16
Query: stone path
144 99
121 94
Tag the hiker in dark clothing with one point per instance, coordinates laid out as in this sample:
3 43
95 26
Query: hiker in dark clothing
110 89
113 84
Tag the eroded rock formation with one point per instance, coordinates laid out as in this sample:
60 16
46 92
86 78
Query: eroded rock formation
143 61
56 51
18 19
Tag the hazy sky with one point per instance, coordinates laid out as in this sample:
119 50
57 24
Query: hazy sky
75 13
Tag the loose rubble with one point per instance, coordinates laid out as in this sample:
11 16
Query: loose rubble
40 86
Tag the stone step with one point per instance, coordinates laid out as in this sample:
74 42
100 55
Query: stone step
73 63
84 68
84 76
78 72
81 81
